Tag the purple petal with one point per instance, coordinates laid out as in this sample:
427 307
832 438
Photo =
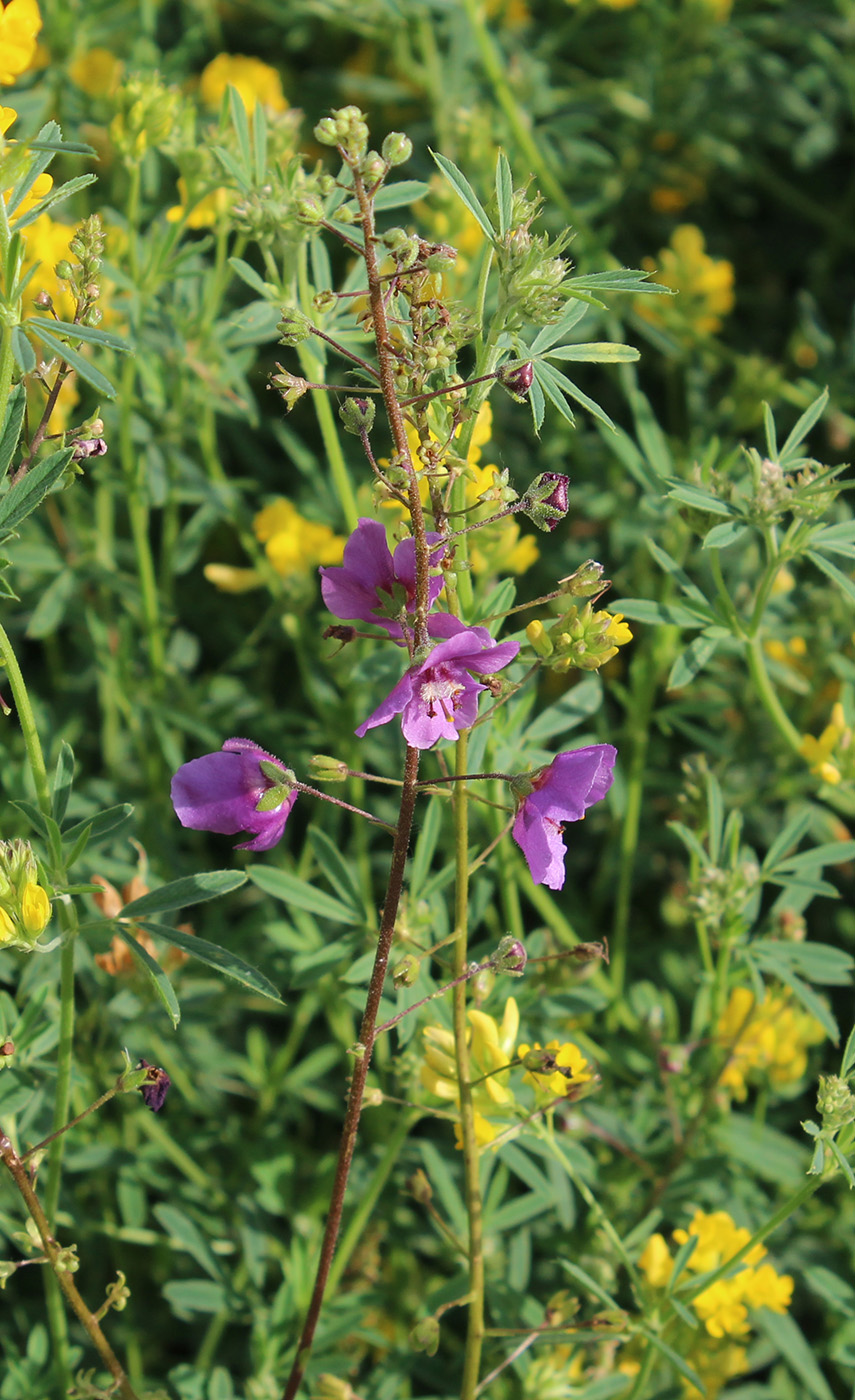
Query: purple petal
391 706
541 844
350 590
404 564
574 781
422 729
211 793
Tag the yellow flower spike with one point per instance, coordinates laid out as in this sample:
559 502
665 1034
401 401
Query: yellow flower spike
656 1262
20 22
232 580
721 1309
7 928
254 80
766 1288
35 908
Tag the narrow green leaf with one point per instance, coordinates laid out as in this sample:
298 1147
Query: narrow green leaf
37 819
12 426
645 610
699 499
787 839
691 661
847 1064
574 392
259 144
818 962
567 713
187 1296
56 196
90 334
429 828
538 406
336 870
622 279
185 1234
771 435
838 539
650 436
715 817
28 493
723 536
832 1289
504 193
252 279
802 428
831 571
159 979
784 1334
401 194
691 842
830 853
676 1361
464 191
551 335
101 824
214 956
282 885
233 168
179 894
25 355
100 383
842 1162
240 123
53 604
596 352
556 398
63 781
679 575
579 1274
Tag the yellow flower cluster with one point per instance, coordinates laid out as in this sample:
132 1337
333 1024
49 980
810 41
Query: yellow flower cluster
832 756
20 22
293 544
254 80
491 1048
564 1071
705 285
96 72
770 1038
723 1307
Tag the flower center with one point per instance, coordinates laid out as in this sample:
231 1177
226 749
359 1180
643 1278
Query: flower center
442 692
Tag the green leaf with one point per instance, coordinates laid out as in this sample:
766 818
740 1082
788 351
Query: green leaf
764 1151
282 885
214 956
549 390
429 827
504 193
195 1295
571 710
579 1274
596 352
252 279
55 197
787 839
700 500
233 168
101 824
100 383
160 981
831 1288
401 194
25 355
680 577
241 126
784 1334
819 962
802 428
837 539
259 144
28 493
650 435
12 426
830 853
53 604
831 571
723 536
645 610
622 279
691 842
91 334
464 191
63 781
179 894
671 1356
771 435
185 1234
565 385
336 870
692 660
538 406
847 1064
842 1162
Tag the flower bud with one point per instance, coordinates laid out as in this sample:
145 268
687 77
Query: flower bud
156 1087
294 326
308 209
325 769
835 1101
326 133
357 416
425 1336
324 301
43 301
290 386
373 168
545 501
393 238
405 972
7 928
64 270
510 957
331 1387
539 638
35 908
586 581
517 378
420 1188
397 148
351 132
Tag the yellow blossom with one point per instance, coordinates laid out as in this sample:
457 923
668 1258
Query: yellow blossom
232 580
768 1289
832 751
7 116
771 1037
655 1262
705 285
97 72
490 1050
7 928
20 23
35 908
40 187
618 631
571 1068
254 80
721 1309
293 544
202 213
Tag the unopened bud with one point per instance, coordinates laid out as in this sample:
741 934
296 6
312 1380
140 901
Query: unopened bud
517 378
373 1098
393 238
325 769
538 1061
357 416
324 301
64 270
308 209
545 501
425 1336
510 957
835 1101
330 1387
294 326
373 168
586 581
405 972
397 148
156 1087
420 1188
539 638
326 133
43 301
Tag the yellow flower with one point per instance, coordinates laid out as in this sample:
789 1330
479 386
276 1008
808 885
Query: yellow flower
293 544
705 285
836 740
254 80
7 928
719 1238
40 187
204 212
231 580
618 631
771 1037
656 1262
20 22
7 116
571 1068
97 72
490 1050
721 1309
768 1289
35 908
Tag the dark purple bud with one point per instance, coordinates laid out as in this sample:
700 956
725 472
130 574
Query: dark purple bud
156 1087
545 501
516 378
88 447
557 497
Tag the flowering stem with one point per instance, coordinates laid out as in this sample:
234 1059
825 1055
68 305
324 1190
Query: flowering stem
54 1254
348 807
465 976
26 719
367 1037
472 1187
72 1123
449 389
7 365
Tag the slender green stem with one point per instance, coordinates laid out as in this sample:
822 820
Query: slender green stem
369 1198
472 1185
138 513
767 695
547 1135
7 365
26 719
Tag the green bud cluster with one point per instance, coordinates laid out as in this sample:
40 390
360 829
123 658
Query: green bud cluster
347 129
581 639
719 895
25 907
294 326
150 116
835 1102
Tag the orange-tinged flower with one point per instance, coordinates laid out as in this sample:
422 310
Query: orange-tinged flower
254 80
20 23
120 959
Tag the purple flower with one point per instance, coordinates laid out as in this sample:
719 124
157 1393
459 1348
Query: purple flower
235 790
560 793
373 585
156 1087
438 697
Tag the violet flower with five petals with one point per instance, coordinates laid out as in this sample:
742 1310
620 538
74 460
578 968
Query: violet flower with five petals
373 585
437 697
223 792
560 793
